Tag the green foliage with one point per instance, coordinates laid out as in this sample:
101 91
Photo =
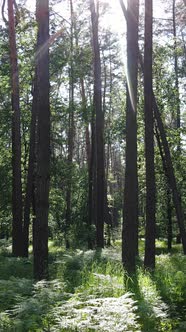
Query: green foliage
100 314
89 291
32 313
170 276
12 290
16 267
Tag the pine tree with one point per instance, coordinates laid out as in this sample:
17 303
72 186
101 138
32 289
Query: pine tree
43 142
99 130
130 210
17 248
149 141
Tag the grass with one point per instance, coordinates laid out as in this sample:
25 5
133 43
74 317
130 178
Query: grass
89 291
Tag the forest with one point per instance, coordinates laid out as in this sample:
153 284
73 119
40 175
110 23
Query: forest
93 166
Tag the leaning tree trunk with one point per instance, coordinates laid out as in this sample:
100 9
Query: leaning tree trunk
171 175
130 211
149 261
43 137
168 192
170 169
17 248
99 131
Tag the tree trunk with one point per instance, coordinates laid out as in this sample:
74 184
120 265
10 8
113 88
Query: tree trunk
170 169
99 131
43 148
17 247
90 161
91 183
71 130
150 235
171 175
130 211
30 174
169 219
87 135
177 96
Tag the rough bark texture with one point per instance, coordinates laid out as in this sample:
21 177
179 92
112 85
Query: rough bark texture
130 212
149 142
43 149
99 131
17 248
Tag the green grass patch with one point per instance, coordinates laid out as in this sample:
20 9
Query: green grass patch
89 291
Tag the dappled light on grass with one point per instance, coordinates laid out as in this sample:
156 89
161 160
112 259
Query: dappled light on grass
100 314
152 310
89 291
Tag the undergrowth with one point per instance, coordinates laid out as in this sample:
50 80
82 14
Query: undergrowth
89 291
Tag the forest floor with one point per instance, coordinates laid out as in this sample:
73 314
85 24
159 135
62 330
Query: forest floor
89 291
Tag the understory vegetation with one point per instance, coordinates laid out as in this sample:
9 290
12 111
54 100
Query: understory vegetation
88 291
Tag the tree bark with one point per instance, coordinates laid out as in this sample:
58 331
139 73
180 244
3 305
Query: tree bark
169 220
99 131
130 211
150 233
90 162
43 148
84 106
30 174
170 169
17 247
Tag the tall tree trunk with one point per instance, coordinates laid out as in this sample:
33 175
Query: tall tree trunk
90 162
130 211
71 129
170 169
30 174
17 248
106 209
177 96
91 183
149 142
43 148
99 130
